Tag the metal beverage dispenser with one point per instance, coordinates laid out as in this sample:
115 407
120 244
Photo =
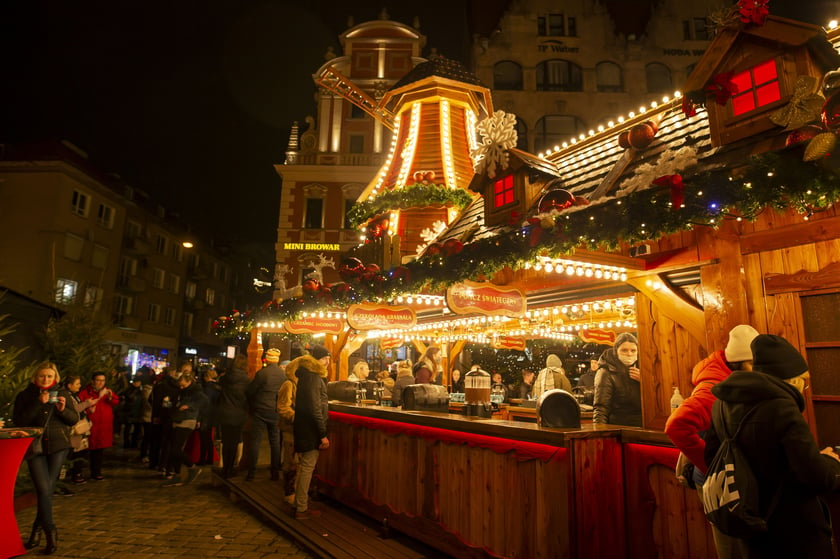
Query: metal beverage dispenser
477 394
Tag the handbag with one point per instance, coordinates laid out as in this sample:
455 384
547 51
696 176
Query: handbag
36 448
82 427
79 442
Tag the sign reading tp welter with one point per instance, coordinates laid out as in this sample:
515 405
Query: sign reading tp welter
485 298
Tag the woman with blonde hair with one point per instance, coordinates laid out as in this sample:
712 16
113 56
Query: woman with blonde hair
44 404
405 377
360 372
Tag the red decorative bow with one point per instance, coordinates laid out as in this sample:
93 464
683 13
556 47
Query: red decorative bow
514 218
753 11
688 108
722 87
535 231
675 182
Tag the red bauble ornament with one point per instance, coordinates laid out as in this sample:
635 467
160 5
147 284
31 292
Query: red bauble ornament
433 249
452 246
418 176
372 268
642 135
624 140
401 273
802 134
311 286
350 268
377 227
555 200
830 114
429 176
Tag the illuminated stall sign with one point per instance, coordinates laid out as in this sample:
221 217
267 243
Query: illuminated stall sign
485 298
508 342
597 336
380 317
315 325
391 343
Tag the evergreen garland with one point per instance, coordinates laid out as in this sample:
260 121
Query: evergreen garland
776 180
418 195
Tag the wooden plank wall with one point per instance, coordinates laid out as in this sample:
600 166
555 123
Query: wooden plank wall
467 501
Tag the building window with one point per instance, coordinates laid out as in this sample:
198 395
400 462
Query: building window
223 273
161 244
697 29
507 75
521 134
356 112
556 25
123 306
133 229
188 323
169 316
221 300
553 130
608 77
177 251
559 75
658 78
65 291
757 87
189 290
357 143
73 245
80 203
158 278
210 296
503 192
214 270
348 205
105 216
99 258
128 269
314 218
93 297
154 313
173 283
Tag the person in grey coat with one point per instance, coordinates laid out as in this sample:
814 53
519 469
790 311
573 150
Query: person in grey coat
262 401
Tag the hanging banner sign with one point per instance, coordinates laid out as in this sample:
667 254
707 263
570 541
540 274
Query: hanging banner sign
391 343
314 325
485 298
367 316
508 342
597 336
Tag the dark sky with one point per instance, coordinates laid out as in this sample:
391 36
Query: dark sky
192 101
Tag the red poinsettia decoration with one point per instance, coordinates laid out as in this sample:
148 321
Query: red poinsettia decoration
753 11
722 88
675 182
688 108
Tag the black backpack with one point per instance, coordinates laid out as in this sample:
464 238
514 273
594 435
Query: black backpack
730 491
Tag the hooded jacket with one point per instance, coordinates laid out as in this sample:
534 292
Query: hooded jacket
778 445
311 404
30 412
286 397
618 398
686 426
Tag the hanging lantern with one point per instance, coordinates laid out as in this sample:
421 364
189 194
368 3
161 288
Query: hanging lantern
555 200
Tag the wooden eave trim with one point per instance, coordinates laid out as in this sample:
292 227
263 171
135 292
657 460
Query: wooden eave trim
790 235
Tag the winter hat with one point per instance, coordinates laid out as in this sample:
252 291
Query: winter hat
272 355
775 356
625 337
738 348
553 362
318 351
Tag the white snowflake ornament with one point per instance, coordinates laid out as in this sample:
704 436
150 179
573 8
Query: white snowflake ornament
498 134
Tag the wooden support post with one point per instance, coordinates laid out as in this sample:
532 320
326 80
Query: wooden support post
255 352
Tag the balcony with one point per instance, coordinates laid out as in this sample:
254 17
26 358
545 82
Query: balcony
126 322
194 304
348 159
138 246
131 284
197 272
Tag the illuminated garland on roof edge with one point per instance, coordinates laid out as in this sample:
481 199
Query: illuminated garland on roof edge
418 195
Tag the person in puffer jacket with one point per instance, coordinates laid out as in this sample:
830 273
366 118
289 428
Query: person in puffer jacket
618 394
286 410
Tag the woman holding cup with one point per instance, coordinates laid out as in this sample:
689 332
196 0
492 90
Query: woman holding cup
44 404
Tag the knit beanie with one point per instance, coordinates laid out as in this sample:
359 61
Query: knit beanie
738 348
553 362
625 337
272 355
318 351
775 356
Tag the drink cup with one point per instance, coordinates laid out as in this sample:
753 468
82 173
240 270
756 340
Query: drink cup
53 397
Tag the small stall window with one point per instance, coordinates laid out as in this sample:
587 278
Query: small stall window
757 87
503 191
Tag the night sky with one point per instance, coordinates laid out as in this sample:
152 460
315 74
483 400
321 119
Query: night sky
192 101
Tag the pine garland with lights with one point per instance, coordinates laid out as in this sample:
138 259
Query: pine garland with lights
418 195
776 180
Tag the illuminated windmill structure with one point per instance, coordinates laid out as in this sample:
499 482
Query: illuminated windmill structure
432 111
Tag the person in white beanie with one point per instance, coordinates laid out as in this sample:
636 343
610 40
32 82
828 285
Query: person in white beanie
553 376
686 426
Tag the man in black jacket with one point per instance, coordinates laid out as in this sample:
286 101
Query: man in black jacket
310 424
262 401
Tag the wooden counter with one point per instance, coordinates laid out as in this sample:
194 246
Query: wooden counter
497 488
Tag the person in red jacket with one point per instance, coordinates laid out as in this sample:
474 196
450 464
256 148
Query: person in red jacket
689 422
101 416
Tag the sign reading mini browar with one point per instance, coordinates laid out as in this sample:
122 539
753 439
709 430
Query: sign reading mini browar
367 316
315 325
485 298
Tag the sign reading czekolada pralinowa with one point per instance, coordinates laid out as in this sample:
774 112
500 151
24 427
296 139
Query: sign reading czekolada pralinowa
314 325
367 316
485 298
509 342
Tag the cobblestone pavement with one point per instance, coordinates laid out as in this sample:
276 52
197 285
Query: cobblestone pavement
130 516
